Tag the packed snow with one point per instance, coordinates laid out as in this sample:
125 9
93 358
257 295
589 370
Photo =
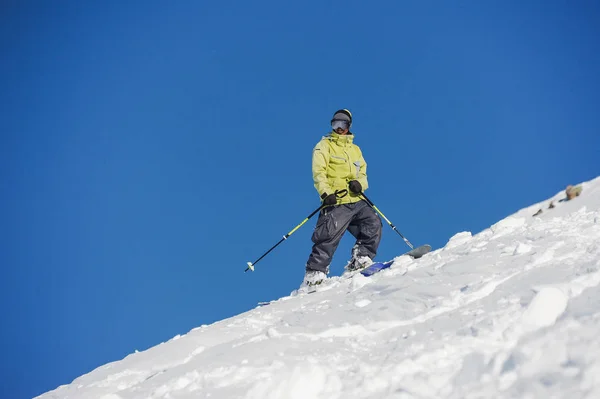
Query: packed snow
510 312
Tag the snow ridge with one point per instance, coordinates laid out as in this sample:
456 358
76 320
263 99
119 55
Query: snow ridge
513 311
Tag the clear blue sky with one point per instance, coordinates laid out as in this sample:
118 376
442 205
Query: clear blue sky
150 149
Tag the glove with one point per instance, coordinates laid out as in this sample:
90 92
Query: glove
330 199
355 186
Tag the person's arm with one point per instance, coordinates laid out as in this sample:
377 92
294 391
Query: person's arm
320 159
362 172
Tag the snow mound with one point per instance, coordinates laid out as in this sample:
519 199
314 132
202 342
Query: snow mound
458 239
545 308
543 311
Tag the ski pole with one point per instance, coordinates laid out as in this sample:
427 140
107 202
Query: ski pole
386 219
285 237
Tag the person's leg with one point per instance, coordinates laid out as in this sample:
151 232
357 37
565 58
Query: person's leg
331 225
366 227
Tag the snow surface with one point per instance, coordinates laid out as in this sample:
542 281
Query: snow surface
511 312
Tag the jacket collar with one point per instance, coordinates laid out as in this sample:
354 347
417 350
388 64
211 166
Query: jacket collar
341 138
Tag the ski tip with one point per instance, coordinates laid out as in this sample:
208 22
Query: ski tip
250 266
418 252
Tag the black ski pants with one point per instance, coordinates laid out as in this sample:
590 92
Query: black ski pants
358 218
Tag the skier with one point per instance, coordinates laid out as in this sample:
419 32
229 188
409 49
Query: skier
340 176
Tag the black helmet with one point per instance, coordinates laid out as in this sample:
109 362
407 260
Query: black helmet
343 115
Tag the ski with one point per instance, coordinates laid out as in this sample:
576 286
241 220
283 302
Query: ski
376 267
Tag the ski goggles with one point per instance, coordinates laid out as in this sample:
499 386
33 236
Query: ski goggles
340 123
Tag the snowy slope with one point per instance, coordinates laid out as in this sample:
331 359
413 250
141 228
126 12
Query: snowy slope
511 312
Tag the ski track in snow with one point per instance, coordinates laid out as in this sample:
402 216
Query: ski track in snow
513 311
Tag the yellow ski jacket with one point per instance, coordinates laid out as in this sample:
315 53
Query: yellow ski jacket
337 160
